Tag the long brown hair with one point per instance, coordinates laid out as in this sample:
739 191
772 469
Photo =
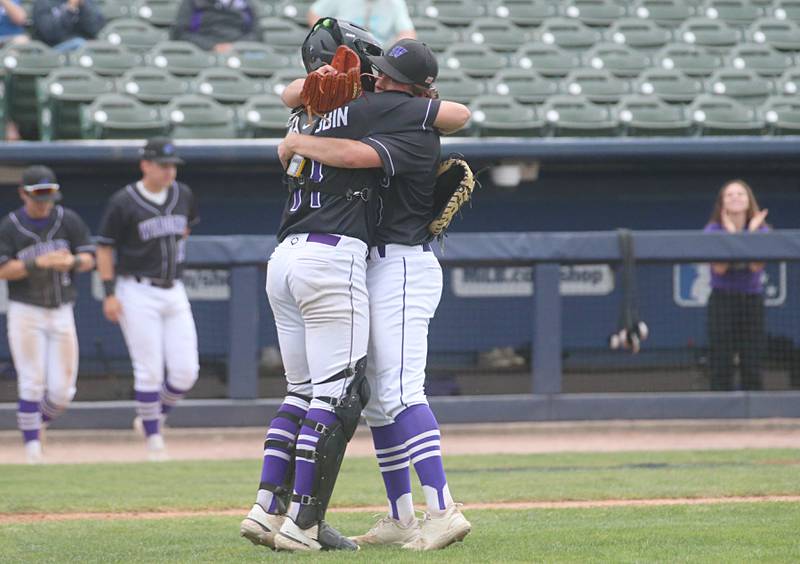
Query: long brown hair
752 207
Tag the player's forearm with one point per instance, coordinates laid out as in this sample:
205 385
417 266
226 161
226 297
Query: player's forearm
291 94
13 270
85 262
105 262
341 153
452 116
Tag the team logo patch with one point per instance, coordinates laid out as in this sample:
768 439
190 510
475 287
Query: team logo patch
397 51
169 149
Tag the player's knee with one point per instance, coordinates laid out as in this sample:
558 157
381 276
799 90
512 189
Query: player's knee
184 379
304 389
60 398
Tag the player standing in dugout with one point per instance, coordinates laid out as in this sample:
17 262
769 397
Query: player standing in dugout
146 223
42 246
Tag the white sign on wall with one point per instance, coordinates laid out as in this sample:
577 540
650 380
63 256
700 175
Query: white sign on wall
517 281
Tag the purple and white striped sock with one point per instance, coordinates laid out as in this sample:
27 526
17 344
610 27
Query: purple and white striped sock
420 430
281 436
148 407
170 396
29 420
305 468
393 462
50 410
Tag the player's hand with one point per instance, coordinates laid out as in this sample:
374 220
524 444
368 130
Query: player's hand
757 220
727 222
285 150
63 261
112 309
326 69
51 260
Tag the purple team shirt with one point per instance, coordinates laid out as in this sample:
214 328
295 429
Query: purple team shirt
739 278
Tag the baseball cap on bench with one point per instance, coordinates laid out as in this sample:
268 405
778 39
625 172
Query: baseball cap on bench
39 182
409 62
160 150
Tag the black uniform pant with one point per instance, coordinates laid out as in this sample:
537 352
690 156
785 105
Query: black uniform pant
735 325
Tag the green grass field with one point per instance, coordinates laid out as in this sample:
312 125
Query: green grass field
730 532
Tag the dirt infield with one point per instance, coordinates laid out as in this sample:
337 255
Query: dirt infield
610 436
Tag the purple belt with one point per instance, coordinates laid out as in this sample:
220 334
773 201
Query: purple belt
426 247
324 239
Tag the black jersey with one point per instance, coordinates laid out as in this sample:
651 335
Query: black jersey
149 238
309 211
25 239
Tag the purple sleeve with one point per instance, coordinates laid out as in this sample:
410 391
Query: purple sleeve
712 228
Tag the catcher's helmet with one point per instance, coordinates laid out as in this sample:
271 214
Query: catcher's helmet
327 34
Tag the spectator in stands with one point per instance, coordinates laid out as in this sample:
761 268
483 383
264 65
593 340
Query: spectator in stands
387 20
214 25
65 25
736 304
12 22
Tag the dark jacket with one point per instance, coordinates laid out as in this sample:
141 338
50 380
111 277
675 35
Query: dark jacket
208 22
54 24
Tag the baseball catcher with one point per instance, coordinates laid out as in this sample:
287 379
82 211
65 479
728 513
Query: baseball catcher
454 185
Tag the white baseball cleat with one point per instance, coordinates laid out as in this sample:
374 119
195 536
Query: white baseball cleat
441 531
389 531
33 452
260 527
318 537
156 449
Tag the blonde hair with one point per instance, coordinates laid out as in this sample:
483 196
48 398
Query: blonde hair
752 205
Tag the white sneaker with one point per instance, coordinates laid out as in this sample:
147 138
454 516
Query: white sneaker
319 537
439 532
33 452
156 449
389 531
260 527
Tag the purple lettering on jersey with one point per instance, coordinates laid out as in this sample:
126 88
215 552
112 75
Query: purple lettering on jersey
316 172
315 200
297 199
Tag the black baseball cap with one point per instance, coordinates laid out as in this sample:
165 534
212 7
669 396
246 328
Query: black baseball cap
160 150
409 62
40 183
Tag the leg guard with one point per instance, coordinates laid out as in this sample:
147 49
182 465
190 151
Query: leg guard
332 444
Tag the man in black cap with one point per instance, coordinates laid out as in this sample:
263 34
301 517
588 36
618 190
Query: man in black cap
42 245
147 223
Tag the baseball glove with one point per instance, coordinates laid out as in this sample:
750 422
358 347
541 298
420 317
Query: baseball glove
454 185
325 92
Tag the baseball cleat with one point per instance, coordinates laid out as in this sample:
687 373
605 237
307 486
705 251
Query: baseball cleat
319 537
156 449
389 531
260 527
441 531
33 452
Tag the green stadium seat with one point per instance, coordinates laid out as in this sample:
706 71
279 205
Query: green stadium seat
181 58
255 59
525 13
593 12
744 86
160 13
452 12
720 115
669 85
111 9
547 60
24 64
783 35
227 86
689 59
620 60
567 34
266 7
666 13
456 86
782 114
281 79
763 59
737 13
137 35
714 35
151 85
494 116
637 33
642 115
789 82
197 117
435 34
524 85
575 116
263 116
785 10
105 58
496 33
116 116
596 85
473 59
284 35
60 96
294 10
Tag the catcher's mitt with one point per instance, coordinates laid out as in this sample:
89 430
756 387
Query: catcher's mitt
454 185
323 93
